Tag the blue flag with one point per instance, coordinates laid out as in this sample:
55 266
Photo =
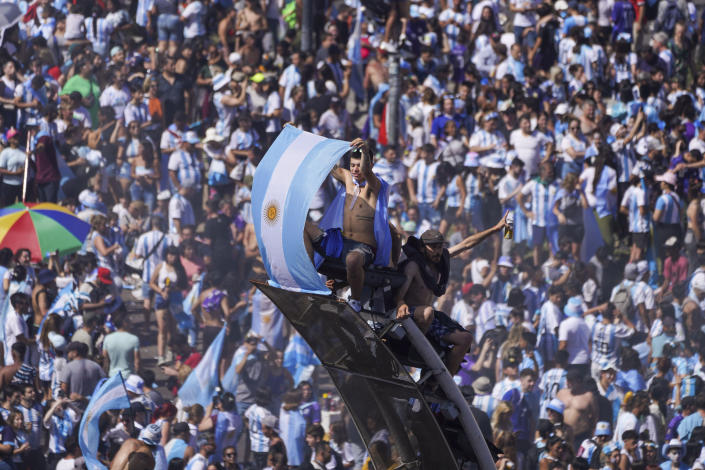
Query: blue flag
109 394
285 182
200 385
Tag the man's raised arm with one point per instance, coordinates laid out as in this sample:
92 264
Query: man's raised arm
475 239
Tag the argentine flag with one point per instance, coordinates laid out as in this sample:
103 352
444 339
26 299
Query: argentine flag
200 385
286 180
110 394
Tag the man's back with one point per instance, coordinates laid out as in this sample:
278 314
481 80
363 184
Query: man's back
120 347
81 376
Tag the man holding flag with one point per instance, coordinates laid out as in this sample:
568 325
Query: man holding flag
355 228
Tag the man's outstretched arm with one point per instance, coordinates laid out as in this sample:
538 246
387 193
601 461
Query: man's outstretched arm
475 239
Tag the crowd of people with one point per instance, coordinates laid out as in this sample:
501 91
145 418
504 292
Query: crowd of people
584 121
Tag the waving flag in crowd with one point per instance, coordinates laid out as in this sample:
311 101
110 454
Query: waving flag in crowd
110 394
203 379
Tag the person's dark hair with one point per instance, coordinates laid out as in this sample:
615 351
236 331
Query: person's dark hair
176 464
18 297
321 446
20 349
562 358
5 257
630 434
544 428
182 281
526 372
630 360
140 461
315 430
263 396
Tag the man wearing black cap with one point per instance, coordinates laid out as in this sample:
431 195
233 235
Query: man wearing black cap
427 269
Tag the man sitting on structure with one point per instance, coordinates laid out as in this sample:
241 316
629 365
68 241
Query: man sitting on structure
427 269
355 227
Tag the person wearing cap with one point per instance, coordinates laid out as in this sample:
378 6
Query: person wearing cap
228 96
427 269
80 376
483 399
574 335
335 121
12 160
487 139
503 282
185 168
148 444
667 213
178 445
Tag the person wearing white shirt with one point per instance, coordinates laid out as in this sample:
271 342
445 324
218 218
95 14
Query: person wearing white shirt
527 145
180 210
192 17
15 327
574 336
116 95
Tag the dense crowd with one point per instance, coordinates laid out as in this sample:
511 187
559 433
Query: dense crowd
584 120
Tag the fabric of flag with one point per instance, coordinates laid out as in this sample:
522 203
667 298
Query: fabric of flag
42 228
109 394
299 359
4 307
200 385
592 240
66 302
285 182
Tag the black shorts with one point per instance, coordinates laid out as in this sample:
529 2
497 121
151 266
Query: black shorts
640 240
364 249
574 233
441 326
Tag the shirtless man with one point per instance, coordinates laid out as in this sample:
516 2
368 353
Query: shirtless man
426 274
581 406
360 248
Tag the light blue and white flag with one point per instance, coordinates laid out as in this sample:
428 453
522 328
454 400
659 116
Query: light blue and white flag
200 385
285 182
66 302
109 394
4 307
299 359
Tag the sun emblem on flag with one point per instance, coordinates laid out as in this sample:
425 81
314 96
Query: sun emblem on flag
271 213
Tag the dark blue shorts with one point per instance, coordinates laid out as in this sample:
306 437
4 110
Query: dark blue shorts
441 326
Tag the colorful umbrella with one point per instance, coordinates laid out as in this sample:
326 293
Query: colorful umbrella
41 227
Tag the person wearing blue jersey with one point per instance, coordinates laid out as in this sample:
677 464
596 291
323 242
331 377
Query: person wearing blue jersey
538 194
667 213
425 192
634 205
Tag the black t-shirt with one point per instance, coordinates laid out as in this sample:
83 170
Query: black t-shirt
217 229
171 95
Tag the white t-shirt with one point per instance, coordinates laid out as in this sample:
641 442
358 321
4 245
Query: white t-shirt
14 327
576 333
12 160
193 14
528 148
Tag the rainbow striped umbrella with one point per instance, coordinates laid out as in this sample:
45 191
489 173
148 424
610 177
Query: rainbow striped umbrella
42 227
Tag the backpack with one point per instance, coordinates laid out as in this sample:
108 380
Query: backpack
622 299
672 16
